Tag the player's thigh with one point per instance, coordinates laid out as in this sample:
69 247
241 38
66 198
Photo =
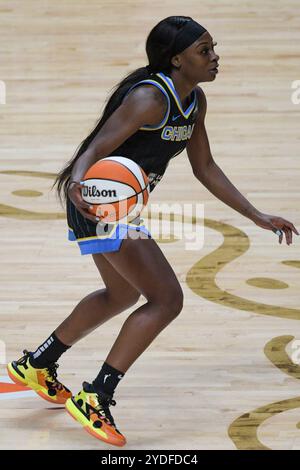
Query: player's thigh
146 268
117 287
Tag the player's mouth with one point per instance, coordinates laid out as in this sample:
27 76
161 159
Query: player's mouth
214 69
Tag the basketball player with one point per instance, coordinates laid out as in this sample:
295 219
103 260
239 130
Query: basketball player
153 114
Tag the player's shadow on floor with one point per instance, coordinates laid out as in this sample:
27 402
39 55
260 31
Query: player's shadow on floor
51 419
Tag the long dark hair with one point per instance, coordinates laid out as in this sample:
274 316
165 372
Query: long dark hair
159 46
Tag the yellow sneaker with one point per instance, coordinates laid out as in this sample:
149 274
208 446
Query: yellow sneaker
91 410
43 381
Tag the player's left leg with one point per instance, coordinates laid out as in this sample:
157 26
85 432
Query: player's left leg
143 264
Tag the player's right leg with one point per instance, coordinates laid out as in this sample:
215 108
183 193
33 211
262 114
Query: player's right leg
43 380
99 306
38 370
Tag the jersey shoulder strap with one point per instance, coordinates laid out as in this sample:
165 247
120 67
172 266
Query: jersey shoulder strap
162 89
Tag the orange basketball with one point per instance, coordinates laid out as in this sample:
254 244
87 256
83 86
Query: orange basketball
117 188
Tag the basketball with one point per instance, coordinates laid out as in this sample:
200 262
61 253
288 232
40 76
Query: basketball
116 187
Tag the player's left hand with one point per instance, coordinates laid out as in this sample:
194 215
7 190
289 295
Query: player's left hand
276 224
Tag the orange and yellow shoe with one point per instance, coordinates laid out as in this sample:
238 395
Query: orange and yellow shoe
91 410
43 381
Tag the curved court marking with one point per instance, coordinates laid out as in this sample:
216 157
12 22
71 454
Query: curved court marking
243 431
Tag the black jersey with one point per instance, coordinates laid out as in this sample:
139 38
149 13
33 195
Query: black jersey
152 147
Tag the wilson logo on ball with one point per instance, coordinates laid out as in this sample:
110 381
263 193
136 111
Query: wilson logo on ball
93 191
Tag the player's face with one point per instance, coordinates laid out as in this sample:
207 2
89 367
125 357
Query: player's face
199 61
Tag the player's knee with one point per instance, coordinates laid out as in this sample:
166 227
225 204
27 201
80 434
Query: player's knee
171 301
132 298
175 302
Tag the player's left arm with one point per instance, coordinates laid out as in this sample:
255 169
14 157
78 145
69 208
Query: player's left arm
212 177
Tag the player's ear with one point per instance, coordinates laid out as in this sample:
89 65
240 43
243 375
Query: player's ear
175 61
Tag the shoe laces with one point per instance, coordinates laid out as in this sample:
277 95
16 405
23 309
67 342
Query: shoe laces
51 371
22 361
102 408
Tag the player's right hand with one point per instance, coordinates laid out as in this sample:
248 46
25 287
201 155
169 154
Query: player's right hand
74 193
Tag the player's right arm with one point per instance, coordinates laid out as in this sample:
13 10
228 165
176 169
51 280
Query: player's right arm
143 105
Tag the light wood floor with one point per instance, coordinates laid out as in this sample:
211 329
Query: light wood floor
229 352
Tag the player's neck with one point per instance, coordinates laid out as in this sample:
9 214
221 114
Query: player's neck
183 88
